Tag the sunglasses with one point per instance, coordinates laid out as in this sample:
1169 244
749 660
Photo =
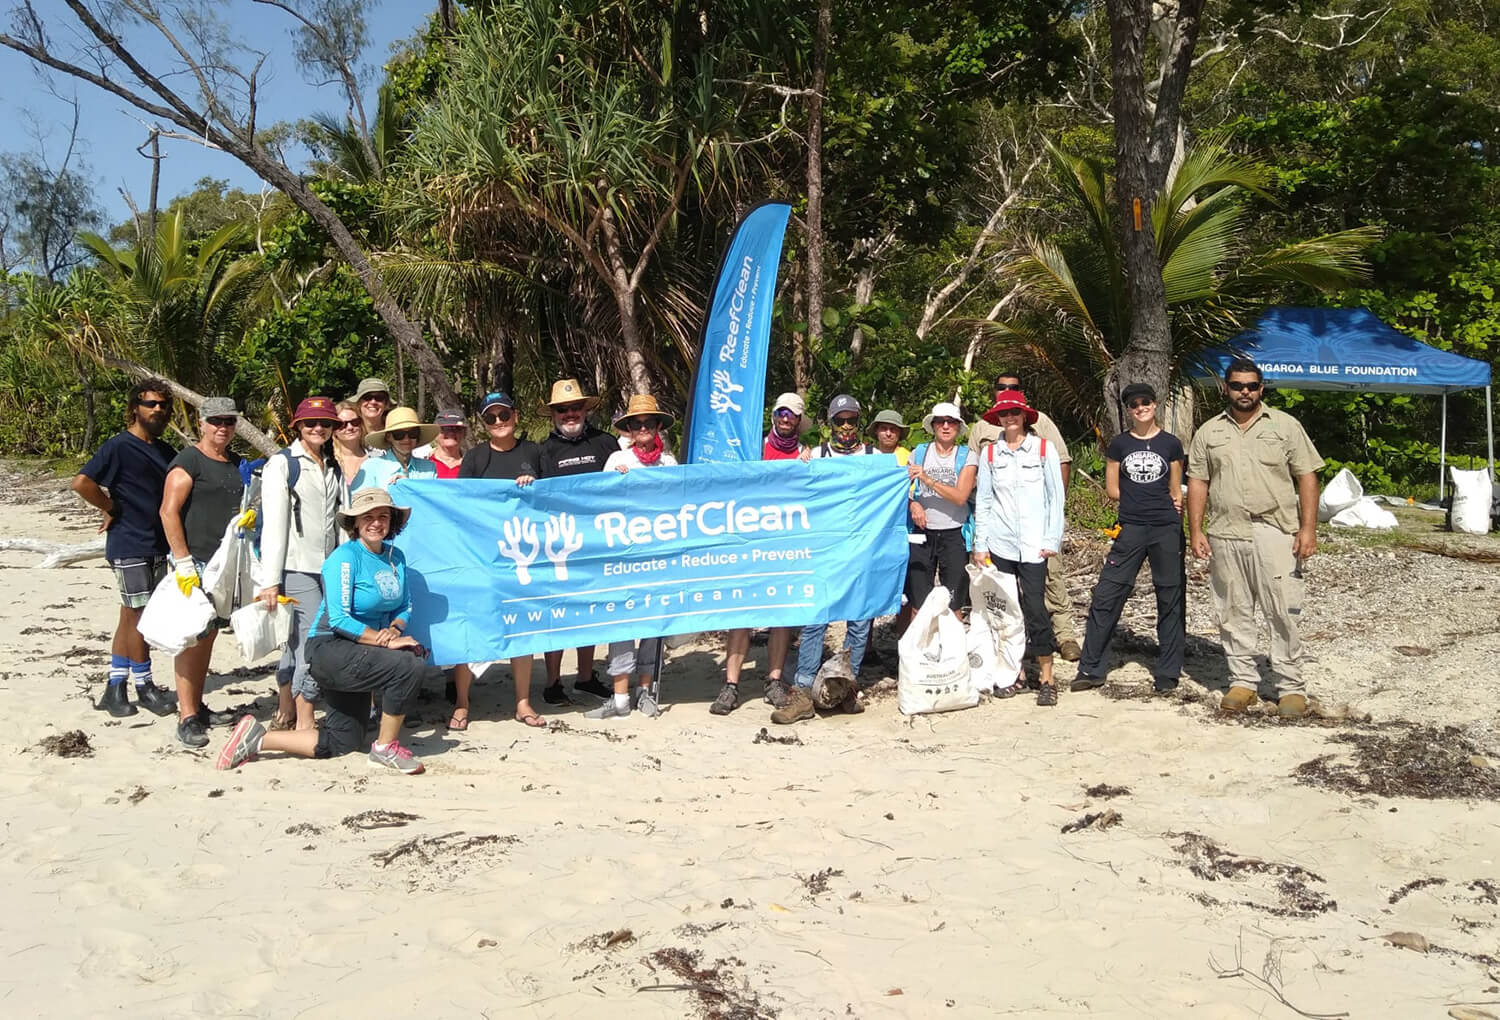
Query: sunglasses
496 417
638 424
1139 402
382 398
223 423
1238 386
577 408
320 423
1008 412
941 421
1004 386
153 404
346 424
404 434
785 414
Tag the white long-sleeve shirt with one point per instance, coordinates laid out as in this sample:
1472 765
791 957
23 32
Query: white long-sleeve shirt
1018 511
281 547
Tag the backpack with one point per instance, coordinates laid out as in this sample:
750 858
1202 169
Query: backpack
251 472
826 451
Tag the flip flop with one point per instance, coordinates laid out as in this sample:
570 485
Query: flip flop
531 719
455 723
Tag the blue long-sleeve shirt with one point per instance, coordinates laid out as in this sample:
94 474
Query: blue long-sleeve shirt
1018 511
362 589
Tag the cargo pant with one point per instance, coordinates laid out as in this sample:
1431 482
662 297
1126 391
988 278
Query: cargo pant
1258 572
1059 605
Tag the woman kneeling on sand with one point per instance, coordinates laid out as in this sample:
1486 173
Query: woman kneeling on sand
356 648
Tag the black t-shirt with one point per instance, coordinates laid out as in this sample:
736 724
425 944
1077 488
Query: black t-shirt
484 461
213 502
1145 476
579 456
133 470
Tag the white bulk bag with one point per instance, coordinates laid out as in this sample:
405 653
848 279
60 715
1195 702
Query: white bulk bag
258 631
171 621
1365 514
997 630
1340 494
1472 493
934 671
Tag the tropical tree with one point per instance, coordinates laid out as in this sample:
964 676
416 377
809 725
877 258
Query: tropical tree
1072 319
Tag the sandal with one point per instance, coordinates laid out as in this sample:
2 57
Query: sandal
1010 692
455 723
1046 695
531 719
281 722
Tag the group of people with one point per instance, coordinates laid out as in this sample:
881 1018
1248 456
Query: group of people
996 501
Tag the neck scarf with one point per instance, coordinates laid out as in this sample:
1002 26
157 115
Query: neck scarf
651 454
782 444
845 439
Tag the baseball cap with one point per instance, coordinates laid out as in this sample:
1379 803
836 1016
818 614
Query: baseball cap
842 404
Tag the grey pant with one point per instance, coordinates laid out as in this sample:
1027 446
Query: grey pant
625 659
307 589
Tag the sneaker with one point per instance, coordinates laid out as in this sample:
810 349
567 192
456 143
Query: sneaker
192 731
776 692
116 701
594 686
1046 695
608 710
208 717
727 701
1292 706
243 741
1238 699
1164 684
555 694
799 705
646 704
1070 650
157 700
1084 682
394 756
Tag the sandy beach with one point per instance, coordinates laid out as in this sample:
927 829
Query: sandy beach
867 866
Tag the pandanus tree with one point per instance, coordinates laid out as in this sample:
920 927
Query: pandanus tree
1071 321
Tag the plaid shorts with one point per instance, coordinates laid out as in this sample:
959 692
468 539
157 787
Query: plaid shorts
138 578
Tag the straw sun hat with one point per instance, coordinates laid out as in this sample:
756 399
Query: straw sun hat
400 419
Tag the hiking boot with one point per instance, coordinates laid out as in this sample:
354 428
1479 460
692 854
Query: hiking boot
394 756
1070 650
1164 684
799 705
1237 699
156 700
1046 695
192 732
1292 706
116 701
554 694
1084 682
242 745
594 686
646 704
608 710
727 701
776 692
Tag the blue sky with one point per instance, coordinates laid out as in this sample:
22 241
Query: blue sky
110 130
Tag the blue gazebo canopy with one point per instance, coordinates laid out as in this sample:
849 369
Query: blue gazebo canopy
1344 349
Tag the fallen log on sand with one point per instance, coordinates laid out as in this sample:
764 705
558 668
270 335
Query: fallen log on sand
55 554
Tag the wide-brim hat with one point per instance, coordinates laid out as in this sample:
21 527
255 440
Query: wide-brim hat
566 391
371 385
793 402
889 417
1010 400
400 419
946 409
373 498
644 403
219 407
315 408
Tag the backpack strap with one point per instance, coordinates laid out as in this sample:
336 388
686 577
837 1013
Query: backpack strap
293 473
823 450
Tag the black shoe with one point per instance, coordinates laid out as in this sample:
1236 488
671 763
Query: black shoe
208 717
155 699
1164 684
594 687
116 701
192 731
554 694
1084 682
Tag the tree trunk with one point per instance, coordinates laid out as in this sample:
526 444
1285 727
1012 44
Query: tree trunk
864 293
151 205
815 178
801 355
630 332
246 431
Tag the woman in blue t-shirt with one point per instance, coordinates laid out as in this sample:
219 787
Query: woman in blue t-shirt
1143 470
357 647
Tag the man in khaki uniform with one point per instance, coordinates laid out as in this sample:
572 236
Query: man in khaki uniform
1242 467
1059 606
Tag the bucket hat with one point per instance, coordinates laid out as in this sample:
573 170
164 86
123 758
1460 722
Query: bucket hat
400 419
218 407
946 409
1010 400
371 385
889 417
315 408
373 498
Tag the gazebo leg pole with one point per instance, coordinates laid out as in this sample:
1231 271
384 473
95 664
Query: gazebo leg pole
1443 449
1489 427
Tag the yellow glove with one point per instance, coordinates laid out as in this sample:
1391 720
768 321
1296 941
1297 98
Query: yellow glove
1111 533
286 600
187 576
246 520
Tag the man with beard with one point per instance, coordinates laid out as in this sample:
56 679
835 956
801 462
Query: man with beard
574 448
1242 468
124 479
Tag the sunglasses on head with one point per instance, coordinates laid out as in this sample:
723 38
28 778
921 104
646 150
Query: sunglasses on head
320 423
405 434
347 423
496 417
1140 402
153 404
1001 387
1238 386
223 423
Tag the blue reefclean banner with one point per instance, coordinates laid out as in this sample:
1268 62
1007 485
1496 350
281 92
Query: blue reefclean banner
729 389
498 570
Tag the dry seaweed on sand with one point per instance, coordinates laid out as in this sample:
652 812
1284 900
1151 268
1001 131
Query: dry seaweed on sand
817 882
561 726
719 998
1213 863
72 744
378 819
1104 791
765 737
1409 761
1413 886
604 940
1094 820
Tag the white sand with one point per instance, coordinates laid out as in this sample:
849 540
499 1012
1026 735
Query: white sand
958 897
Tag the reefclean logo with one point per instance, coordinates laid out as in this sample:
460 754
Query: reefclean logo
711 518
521 547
